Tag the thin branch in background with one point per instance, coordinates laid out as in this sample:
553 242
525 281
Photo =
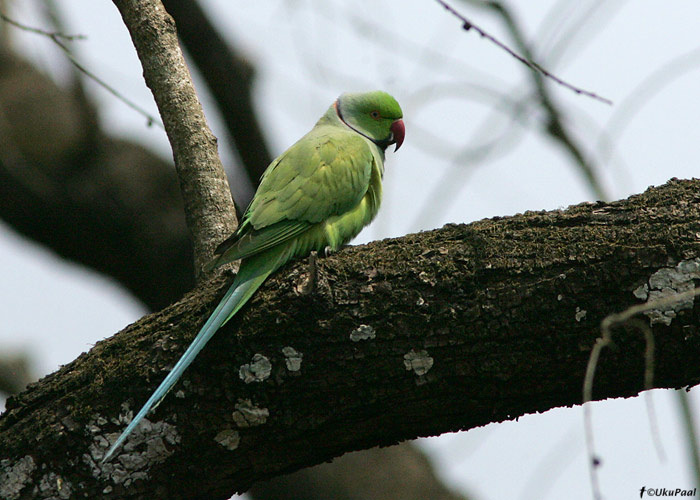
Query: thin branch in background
690 433
554 22
551 466
649 384
595 17
406 47
605 340
465 161
83 104
467 25
556 126
59 38
561 27
433 143
584 125
4 33
53 35
642 94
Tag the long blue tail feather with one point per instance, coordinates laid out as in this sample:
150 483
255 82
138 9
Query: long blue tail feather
244 286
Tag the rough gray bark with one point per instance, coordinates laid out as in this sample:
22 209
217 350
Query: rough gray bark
415 336
229 77
209 209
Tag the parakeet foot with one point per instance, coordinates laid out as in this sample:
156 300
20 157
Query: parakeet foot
328 251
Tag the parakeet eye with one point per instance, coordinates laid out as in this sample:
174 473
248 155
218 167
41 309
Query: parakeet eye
375 115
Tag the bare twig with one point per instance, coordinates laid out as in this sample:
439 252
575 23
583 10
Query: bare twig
642 94
38 31
468 25
605 340
556 123
59 38
151 120
465 161
690 433
576 36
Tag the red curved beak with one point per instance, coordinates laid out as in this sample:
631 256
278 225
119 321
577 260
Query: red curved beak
398 130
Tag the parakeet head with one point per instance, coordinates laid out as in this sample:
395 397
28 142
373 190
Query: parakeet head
376 115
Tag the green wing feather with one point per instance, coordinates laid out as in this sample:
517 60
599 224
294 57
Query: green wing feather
316 178
325 174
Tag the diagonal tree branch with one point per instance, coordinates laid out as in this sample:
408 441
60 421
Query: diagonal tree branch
209 209
414 336
229 77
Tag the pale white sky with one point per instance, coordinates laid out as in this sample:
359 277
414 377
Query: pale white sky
308 52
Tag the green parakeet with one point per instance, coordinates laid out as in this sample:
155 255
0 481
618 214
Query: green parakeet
319 193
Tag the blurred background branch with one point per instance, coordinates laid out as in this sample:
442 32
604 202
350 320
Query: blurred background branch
15 373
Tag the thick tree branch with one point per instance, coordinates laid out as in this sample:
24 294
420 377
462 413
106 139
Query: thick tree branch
439 331
209 209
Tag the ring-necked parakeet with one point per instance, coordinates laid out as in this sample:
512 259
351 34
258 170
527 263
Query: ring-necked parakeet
319 193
